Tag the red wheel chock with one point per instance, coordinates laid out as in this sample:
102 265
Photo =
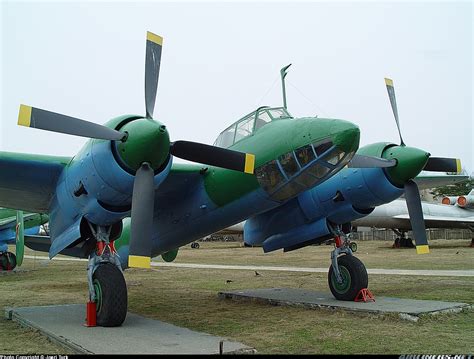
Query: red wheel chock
364 295
91 315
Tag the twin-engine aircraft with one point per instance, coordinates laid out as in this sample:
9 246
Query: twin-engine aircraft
267 166
126 170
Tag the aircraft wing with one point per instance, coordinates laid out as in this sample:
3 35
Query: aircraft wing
182 179
28 181
10 222
438 221
424 182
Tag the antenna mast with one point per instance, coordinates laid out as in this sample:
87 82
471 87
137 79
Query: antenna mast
283 74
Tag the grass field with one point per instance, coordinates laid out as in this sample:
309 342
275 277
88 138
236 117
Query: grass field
188 297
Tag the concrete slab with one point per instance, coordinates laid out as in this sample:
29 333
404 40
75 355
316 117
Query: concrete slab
63 324
409 309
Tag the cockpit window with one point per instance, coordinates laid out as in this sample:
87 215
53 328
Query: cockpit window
334 157
249 124
262 119
269 176
244 128
304 155
278 113
287 191
322 147
226 138
299 170
289 164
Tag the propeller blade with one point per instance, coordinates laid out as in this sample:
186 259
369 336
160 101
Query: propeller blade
412 196
142 218
214 156
361 161
152 70
441 164
55 122
393 102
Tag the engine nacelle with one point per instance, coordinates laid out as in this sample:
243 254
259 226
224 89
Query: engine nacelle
96 186
466 202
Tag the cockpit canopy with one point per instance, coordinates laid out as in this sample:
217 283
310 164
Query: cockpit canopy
250 123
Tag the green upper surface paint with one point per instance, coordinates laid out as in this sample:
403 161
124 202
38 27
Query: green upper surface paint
271 141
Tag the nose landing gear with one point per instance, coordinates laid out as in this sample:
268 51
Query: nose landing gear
107 287
347 275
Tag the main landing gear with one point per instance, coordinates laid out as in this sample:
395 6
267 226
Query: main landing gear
107 287
402 241
7 261
347 274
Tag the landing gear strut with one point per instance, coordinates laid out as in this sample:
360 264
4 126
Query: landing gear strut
107 287
347 274
402 241
7 261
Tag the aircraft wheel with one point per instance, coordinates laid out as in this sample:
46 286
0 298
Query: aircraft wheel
354 277
7 261
111 295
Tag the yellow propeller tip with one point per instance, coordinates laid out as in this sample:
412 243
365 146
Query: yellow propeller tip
157 39
424 249
139 262
388 82
458 166
249 163
24 116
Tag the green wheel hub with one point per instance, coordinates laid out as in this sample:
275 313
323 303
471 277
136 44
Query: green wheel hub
98 295
346 280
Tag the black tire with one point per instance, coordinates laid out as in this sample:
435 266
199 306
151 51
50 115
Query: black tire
354 278
7 261
111 295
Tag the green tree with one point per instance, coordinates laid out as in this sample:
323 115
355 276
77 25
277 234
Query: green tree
457 189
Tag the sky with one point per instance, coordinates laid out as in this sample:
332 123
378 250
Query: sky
221 60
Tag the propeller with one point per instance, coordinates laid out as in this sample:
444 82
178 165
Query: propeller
142 218
144 147
411 162
362 161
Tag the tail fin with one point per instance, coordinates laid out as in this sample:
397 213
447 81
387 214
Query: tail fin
20 238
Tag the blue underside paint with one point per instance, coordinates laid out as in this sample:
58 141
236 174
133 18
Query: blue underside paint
305 217
8 236
107 199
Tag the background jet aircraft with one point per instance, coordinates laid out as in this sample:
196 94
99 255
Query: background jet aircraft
394 215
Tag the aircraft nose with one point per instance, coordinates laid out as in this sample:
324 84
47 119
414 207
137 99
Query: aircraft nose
345 135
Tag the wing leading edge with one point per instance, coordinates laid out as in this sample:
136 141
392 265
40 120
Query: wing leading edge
28 181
